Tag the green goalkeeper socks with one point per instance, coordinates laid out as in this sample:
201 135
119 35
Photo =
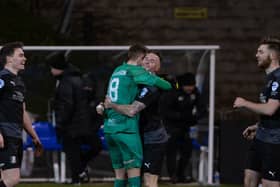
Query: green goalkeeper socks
119 183
134 182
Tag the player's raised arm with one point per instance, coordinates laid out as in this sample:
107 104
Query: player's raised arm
141 76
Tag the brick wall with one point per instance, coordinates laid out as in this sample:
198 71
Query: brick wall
235 25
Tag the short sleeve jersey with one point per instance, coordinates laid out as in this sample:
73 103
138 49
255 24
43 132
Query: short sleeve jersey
150 118
271 91
122 89
269 127
12 97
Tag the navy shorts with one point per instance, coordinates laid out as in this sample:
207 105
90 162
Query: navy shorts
153 158
264 158
11 154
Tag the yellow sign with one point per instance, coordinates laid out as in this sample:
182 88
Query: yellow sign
190 13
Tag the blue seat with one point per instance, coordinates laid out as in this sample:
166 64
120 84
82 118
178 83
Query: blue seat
102 138
47 136
197 144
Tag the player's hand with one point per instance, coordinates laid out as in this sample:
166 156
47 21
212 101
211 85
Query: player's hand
38 147
239 102
100 108
108 102
1 141
250 132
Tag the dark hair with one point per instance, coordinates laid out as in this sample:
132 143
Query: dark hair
58 60
8 49
272 42
136 50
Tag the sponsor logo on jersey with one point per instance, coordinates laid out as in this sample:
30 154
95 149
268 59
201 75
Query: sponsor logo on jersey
274 86
118 73
18 96
13 83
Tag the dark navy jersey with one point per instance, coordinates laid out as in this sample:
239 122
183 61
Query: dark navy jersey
12 93
271 91
269 126
150 120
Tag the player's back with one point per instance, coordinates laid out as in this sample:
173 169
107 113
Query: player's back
122 89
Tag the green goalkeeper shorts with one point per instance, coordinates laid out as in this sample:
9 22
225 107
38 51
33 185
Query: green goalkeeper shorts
125 150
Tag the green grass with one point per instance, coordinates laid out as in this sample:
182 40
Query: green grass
106 185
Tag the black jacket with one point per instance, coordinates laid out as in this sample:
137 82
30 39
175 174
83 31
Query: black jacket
71 105
180 109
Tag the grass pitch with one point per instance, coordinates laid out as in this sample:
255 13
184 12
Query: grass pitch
109 185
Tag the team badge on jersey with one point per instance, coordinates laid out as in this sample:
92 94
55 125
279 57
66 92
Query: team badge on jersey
144 91
274 86
2 83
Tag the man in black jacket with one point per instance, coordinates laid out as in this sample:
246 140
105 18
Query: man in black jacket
72 116
179 108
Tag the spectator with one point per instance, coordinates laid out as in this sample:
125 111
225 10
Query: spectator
180 109
73 121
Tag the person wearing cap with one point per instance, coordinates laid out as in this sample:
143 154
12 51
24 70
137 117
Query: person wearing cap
72 117
180 108
13 115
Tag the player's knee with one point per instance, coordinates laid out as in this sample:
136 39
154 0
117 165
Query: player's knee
153 181
11 177
12 181
150 180
251 178
250 182
120 173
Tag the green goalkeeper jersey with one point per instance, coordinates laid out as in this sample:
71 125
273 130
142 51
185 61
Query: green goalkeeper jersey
122 89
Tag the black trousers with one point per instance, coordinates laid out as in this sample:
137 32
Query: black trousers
179 146
79 156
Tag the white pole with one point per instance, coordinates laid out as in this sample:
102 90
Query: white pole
62 167
211 117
